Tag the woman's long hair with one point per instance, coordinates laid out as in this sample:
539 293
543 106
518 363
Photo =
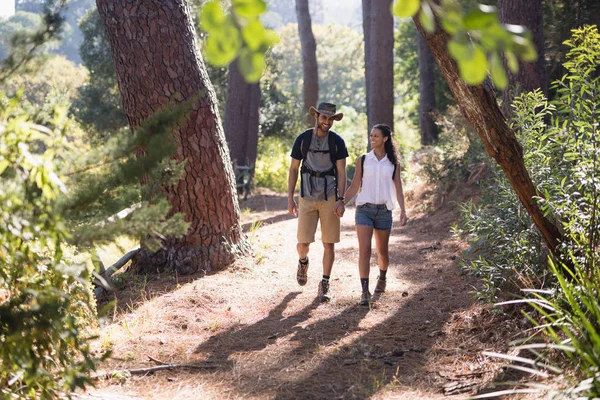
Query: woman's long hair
390 145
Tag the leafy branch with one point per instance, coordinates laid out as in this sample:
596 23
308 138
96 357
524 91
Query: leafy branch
477 38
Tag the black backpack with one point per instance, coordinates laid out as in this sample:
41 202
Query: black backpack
307 138
304 149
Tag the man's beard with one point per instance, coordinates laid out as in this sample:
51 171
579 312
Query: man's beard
322 129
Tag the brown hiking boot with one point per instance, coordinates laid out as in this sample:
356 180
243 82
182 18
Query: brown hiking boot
365 299
380 288
302 272
324 291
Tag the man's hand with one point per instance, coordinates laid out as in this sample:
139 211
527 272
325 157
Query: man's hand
292 207
339 209
403 218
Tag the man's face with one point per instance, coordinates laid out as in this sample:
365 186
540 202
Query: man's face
324 123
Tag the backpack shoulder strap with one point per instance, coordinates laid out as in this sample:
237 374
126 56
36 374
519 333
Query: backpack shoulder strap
332 147
305 144
362 167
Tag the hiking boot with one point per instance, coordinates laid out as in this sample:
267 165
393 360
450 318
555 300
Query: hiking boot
380 287
302 273
365 299
324 291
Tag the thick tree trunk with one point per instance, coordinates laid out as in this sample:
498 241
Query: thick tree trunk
379 62
429 132
253 124
532 75
478 104
241 117
366 15
310 84
157 60
237 109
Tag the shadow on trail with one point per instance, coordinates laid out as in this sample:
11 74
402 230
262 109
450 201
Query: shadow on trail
257 336
393 352
267 221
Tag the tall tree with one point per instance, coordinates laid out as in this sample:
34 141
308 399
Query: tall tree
253 124
429 132
157 60
310 83
241 116
532 75
478 104
378 26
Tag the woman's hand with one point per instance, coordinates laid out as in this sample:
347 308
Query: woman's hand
403 218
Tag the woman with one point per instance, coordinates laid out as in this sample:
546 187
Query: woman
377 182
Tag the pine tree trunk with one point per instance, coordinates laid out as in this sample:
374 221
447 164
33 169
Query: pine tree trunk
310 84
429 132
478 104
366 15
379 62
253 124
156 58
532 75
237 109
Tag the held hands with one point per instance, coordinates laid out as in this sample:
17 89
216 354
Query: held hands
292 207
339 208
403 218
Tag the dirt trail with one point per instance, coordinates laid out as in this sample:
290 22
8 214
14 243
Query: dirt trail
261 336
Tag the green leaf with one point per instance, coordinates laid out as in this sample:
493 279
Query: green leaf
451 17
4 163
460 49
223 45
524 48
427 18
497 70
271 39
481 18
252 64
212 16
473 70
405 8
249 8
512 61
253 34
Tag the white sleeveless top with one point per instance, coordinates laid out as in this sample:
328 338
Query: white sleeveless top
377 183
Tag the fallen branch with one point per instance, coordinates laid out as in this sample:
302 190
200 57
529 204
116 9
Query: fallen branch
149 370
103 278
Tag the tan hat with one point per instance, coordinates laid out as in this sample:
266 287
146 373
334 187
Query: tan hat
326 109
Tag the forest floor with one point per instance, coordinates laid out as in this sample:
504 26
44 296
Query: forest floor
250 332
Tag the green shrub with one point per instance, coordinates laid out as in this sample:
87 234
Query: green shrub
45 300
458 151
272 164
564 159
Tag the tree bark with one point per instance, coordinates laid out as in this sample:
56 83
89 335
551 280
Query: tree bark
532 75
157 60
478 104
253 124
429 132
379 62
366 15
310 83
241 117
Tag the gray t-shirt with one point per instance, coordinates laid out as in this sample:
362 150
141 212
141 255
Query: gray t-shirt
319 159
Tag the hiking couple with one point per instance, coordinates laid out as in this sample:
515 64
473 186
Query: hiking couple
319 157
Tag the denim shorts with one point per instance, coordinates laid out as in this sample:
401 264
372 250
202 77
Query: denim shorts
374 215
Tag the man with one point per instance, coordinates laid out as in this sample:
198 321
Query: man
322 184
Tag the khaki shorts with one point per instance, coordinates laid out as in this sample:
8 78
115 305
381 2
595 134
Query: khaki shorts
309 214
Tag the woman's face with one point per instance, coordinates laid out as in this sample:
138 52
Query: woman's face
377 139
